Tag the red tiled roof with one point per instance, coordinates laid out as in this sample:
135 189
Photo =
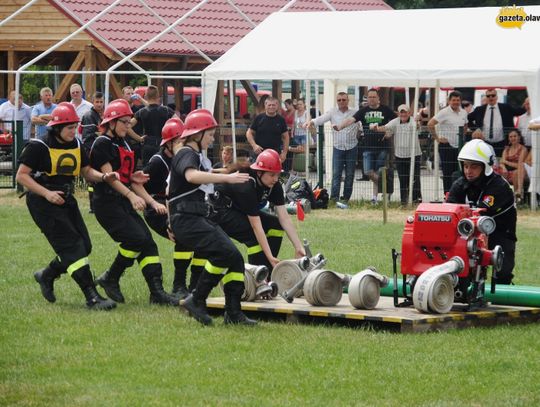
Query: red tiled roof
214 28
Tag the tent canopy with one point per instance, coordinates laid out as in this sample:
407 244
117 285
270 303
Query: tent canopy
462 47
439 47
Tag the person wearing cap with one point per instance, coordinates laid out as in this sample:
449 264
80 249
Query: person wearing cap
116 204
238 211
154 192
191 180
404 130
48 168
480 186
446 127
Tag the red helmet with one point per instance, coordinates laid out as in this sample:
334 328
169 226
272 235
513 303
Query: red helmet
268 160
116 109
198 120
172 129
63 113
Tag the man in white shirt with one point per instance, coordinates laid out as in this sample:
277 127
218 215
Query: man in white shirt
9 113
523 124
345 148
81 106
404 130
452 122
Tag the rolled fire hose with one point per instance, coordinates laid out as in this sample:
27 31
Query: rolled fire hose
434 289
254 278
365 287
289 272
324 287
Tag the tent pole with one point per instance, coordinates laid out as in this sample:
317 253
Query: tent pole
436 144
413 143
233 124
307 85
319 139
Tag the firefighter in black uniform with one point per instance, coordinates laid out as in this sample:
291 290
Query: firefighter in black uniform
115 206
158 169
190 181
47 169
483 188
238 212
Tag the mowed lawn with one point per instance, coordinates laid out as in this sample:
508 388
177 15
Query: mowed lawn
140 355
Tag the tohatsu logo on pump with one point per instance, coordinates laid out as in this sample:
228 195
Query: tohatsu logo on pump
434 218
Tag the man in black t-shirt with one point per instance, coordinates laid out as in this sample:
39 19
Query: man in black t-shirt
269 130
135 140
376 147
152 118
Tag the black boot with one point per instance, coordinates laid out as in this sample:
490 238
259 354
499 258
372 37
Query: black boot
45 277
196 271
197 309
110 280
179 289
94 301
233 309
195 303
152 275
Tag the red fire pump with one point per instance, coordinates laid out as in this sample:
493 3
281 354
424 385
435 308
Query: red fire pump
6 147
445 257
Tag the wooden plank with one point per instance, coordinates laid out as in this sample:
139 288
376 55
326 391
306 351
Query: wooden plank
40 46
103 64
252 93
295 89
277 89
12 64
219 106
63 88
90 65
385 315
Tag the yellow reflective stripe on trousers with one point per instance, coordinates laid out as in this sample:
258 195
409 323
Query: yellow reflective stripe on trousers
73 267
148 260
182 255
275 233
198 262
130 254
214 269
90 188
254 249
232 276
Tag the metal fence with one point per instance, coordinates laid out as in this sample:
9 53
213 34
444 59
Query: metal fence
437 163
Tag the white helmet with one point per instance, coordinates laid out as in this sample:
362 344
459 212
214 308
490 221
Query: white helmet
479 151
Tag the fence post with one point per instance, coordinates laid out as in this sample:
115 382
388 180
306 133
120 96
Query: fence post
18 144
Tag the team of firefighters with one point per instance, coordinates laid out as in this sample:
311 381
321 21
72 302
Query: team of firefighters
175 191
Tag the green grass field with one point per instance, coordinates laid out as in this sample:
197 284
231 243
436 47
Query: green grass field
140 355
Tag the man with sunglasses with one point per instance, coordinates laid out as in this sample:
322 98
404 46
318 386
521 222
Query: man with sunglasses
345 148
495 120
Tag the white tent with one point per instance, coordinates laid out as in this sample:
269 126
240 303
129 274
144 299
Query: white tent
426 48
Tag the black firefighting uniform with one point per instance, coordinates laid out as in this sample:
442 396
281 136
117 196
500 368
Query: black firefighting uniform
158 168
89 125
192 228
55 165
493 193
115 213
233 203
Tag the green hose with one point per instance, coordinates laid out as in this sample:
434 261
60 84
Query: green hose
520 295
